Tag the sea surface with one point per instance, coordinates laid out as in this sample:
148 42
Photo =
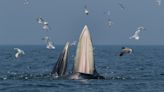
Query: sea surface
141 71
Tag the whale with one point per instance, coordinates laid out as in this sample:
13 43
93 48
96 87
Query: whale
84 63
61 65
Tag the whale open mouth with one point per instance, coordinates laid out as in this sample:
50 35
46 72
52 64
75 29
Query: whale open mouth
84 60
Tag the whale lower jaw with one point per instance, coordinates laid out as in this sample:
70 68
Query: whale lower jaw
80 76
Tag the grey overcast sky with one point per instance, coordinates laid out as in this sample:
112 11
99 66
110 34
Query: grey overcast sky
66 18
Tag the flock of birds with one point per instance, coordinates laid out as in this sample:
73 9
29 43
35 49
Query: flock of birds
50 45
45 26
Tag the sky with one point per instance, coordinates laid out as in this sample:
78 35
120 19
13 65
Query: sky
66 18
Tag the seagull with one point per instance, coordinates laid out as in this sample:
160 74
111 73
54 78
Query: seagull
86 10
50 45
43 23
40 20
141 28
158 2
125 50
26 2
19 52
122 6
109 23
136 34
48 42
46 39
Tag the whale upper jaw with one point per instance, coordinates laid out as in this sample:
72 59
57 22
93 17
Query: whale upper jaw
84 66
84 60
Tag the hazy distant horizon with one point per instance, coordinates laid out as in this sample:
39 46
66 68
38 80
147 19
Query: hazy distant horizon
76 45
18 24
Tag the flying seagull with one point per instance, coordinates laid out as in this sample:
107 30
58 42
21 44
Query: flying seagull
86 11
26 2
45 26
19 52
158 2
46 39
122 6
40 20
50 44
136 34
43 23
109 23
125 50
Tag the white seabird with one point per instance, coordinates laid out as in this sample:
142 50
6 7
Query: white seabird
19 52
136 34
26 2
86 11
125 50
50 45
40 20
43 23
46 39
109 23
158 2
122 6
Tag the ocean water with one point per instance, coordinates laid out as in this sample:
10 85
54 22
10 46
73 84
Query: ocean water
142 71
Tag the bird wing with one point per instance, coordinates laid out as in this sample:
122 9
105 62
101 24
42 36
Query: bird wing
17 49
133 36
17 55
22 52
137 32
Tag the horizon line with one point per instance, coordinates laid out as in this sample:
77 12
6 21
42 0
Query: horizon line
93 44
